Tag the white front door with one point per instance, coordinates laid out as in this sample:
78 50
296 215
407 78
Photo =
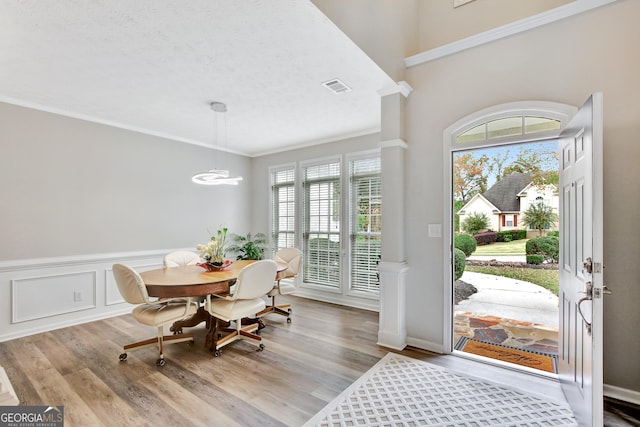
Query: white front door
581 281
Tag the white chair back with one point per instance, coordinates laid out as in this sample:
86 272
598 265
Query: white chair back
255 280
293 258
178 258
130 284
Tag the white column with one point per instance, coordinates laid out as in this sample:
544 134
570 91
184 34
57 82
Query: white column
392 326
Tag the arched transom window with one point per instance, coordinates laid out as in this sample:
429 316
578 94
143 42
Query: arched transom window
508 127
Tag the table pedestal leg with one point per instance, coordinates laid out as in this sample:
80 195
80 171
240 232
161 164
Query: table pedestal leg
198 317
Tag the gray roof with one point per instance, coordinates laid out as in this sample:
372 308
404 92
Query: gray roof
503 193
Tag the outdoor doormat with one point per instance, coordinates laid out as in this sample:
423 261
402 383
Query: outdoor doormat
401 391
536 360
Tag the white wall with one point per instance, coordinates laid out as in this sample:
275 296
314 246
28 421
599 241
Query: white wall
71 187
563 62
78 196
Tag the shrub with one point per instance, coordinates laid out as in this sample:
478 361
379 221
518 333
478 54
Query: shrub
520 234
506 235
475 223
535 259
554 234
547 246
486 238
459 263
465 242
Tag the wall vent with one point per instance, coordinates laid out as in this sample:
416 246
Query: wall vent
336 86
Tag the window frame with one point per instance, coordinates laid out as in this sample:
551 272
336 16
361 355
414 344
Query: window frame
352 210
273 245
343 294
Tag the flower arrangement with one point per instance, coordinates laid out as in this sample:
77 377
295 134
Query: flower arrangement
213 252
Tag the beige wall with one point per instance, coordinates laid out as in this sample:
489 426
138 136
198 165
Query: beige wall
387 33
441 23
563 62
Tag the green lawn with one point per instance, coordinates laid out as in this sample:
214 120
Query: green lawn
514 247
548 279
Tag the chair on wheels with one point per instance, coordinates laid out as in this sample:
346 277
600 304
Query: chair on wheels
152 313
178 258
253 283
293 258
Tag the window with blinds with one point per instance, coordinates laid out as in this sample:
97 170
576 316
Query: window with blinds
321 238
365 224
283 209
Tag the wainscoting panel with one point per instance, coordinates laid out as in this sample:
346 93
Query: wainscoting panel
45 296
38 295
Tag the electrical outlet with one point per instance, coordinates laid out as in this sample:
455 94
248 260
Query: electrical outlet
77 296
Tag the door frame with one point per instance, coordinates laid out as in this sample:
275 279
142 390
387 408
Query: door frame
552 110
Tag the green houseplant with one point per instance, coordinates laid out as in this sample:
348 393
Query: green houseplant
248 247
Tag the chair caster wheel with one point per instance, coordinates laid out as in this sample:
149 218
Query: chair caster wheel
161 362
217 353
123 357
290 311
260 347
288 320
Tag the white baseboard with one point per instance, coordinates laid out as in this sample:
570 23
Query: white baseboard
623 394
426 345
336 298
58 325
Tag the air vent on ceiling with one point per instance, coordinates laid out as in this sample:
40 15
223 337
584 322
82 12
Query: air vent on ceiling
336 86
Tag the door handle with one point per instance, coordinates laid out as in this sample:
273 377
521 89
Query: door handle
587 323
588 297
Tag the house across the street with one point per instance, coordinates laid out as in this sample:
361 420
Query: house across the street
506 201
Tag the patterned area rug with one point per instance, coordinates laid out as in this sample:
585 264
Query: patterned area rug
401 391
531 359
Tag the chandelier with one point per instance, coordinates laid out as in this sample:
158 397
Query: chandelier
216 176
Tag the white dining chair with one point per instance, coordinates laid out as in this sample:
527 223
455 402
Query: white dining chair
253 283
152 313
292 257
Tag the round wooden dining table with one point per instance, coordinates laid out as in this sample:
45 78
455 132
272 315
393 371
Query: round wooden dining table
195 281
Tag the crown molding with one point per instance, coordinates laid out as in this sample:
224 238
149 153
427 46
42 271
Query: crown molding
526 24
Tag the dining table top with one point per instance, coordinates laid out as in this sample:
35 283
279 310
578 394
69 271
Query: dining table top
194 281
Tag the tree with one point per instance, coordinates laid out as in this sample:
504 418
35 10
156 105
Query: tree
498 162
469 176
539 216
542 164
475 223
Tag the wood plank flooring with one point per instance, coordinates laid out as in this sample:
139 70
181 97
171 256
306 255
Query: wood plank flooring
305 365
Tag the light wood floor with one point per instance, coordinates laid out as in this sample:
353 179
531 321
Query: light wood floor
304 366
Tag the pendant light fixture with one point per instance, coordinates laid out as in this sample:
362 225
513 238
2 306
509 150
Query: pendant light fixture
216 176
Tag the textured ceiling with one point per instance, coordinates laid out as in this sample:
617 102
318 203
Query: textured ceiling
155 65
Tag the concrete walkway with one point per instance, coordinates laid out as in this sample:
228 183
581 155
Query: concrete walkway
508 258
510 299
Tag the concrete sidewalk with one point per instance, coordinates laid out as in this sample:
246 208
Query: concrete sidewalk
507 258
510 299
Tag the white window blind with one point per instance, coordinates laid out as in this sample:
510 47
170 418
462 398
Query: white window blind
283 208
321 237
365 224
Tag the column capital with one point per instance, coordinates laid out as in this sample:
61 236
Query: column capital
396 142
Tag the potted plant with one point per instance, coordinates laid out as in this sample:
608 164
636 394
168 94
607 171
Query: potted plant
249 247
213 252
